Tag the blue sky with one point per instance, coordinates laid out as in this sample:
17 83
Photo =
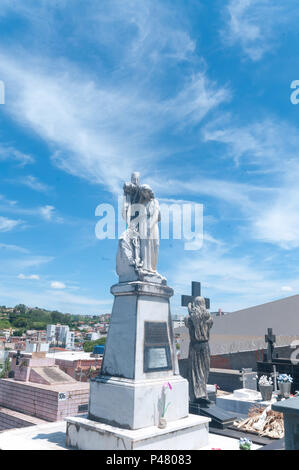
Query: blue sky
195 96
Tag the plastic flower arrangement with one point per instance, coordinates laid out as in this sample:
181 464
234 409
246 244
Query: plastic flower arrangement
284 378
166 385
244 443
264 380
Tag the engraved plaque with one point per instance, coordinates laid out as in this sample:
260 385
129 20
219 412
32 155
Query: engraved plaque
157 355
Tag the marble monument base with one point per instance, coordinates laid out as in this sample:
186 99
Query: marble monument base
136 404
190 433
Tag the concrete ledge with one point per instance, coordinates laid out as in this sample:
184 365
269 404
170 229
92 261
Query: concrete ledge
190 433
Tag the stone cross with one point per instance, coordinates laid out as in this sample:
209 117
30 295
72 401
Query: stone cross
270 339
196 292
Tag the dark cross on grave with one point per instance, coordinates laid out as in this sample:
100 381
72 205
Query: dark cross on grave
18 356
270 339
196 292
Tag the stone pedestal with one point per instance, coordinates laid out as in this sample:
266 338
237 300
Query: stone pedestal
190 433
139 359
139 377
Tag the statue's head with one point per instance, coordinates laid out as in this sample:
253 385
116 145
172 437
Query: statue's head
147 192
135 178
200 302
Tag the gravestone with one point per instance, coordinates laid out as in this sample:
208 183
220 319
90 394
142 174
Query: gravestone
139 373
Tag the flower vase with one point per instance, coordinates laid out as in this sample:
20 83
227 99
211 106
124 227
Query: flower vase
162 423
266 392
285 389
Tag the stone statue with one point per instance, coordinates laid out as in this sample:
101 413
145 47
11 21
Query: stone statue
199 322
138 247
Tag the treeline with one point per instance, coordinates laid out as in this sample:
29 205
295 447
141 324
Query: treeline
24 318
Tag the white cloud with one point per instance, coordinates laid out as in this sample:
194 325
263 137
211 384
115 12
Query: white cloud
20 249
33 183
47 212
34 277
10 153
58 285
286 288
232 281
270 148
54 300
255 24
8 224
98 127
21 264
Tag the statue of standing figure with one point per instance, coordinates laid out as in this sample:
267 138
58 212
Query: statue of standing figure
199 322
138 248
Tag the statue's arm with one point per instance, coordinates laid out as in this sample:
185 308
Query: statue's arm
155 212
209 319
190 308
186 321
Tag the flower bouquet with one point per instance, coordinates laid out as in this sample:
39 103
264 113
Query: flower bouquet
266 387
245 444
285 383
163 422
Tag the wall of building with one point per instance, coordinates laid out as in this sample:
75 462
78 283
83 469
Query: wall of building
246 359
42 402
11 419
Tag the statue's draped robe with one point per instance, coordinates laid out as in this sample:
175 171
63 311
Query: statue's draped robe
199 324
149 235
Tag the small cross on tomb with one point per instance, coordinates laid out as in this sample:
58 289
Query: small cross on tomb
196 292
270 339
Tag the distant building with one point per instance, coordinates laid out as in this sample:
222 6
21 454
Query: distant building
32 346
93 336
61 334
178 322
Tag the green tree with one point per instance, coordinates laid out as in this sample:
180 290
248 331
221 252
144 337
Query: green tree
21 322
89 345
20 308
18 332
5 370
4 324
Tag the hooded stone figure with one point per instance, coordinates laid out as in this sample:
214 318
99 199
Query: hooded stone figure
199 322
148 229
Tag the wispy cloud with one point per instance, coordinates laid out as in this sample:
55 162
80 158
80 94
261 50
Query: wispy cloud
8 224
47 212
34 277
102 128
253 24
58 285
267 147
7 247
31 182
10 153
236 281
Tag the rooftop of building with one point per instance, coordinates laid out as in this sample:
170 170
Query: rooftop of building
69 355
